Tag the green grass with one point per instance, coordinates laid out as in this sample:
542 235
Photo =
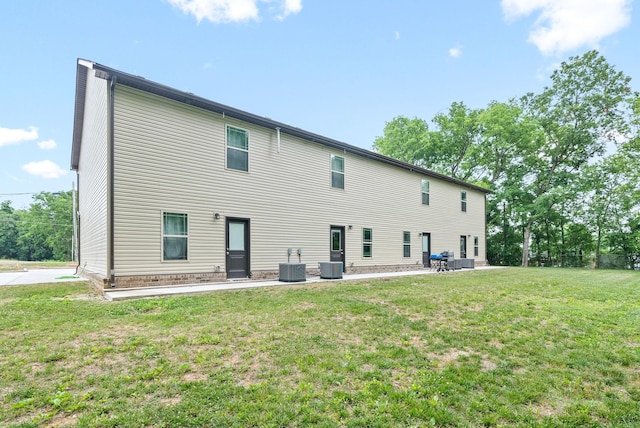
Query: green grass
17 265
510 347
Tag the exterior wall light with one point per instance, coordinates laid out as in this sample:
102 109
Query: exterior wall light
216 216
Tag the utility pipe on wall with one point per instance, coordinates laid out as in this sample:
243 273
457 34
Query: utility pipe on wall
278 134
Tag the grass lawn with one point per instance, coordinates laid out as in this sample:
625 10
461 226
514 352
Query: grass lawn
513 347
16 265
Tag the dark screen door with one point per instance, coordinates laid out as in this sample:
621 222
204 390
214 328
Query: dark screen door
426 249
463 247
237 248
337 245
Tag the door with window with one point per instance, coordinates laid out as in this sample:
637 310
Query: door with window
337 245
463 247
426 249
237 241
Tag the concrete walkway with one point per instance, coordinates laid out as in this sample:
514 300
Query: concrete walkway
137 293
38 276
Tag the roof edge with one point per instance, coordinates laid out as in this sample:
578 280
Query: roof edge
78 116
149 86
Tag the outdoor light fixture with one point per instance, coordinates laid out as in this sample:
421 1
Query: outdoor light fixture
350 227
216 216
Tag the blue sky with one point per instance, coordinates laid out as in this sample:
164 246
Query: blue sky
341 69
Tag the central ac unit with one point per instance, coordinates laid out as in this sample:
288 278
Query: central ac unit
293 272
330 270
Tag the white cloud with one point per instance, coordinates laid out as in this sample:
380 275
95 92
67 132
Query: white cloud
564 25
44 169
224 11
218 11
47 144
16 136
455 52
290 7
397 35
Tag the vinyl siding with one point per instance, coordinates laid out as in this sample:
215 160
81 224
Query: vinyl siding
92 178
171 157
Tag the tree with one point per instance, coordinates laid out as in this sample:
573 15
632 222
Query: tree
456 140
536 153
583 109
406 140
447 149
609 194
502 130
8 231
43 232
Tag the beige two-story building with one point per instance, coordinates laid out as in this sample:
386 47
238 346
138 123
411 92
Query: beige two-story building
175 188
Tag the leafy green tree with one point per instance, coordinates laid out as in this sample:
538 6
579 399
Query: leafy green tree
447 149
406 140
502 131
539 155
8 231
610 194
504 239
579 239
456 141
44 231
32 237
625 243
583 109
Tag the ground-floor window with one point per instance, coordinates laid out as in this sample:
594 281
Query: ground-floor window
367 242
475 246
175 236
406 250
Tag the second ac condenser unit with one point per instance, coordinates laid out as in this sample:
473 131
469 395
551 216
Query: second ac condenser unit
330 270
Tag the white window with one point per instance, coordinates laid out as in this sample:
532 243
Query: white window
175 236
463 201
476 246
406 244
367 242
425 192
337 172
237 149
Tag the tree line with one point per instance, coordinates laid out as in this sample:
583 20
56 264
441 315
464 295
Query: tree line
562 164
44 231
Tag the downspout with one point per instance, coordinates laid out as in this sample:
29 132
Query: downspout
278 133
111 150
76 236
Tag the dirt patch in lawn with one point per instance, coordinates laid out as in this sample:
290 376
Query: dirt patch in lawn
454 356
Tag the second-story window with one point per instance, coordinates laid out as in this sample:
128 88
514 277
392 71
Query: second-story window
463 201
425 192
337 172
237 149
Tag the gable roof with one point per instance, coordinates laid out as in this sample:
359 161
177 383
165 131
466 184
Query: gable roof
145 85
